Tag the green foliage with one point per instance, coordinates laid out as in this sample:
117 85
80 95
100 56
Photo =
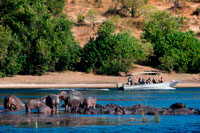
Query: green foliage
80 18
55 6
174 50
160 24
167 63
146 11
111 53
181 52
106 29
10 49
47 42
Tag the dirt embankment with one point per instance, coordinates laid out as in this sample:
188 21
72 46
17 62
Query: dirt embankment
83 80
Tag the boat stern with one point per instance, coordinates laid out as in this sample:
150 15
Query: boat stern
173 83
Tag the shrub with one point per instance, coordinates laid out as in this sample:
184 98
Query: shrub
80 18
111 53
181 52
160 24
11 56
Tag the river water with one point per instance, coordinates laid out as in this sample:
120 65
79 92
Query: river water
21 122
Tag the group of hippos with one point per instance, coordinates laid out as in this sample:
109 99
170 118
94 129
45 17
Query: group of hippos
50 104
74 102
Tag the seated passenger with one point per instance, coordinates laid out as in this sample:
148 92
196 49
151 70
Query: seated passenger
161 80
143 82
132 83
139 81
148 81
154 81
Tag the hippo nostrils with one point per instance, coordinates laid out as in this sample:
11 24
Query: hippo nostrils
13 103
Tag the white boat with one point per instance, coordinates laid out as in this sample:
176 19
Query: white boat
157 86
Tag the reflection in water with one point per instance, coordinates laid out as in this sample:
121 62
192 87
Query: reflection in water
62 120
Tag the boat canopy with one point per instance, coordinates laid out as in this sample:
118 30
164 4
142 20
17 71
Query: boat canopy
144 73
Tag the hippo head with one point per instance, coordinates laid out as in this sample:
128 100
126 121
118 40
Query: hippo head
63 95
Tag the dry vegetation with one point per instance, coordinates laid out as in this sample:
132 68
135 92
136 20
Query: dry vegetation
83 33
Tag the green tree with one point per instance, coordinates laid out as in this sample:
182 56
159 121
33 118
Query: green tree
46 40
55 6
111 53
10 49
183 48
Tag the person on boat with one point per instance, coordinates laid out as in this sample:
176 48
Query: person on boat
143 82
129 80
139 81
132 83
161 80
154 81
148 81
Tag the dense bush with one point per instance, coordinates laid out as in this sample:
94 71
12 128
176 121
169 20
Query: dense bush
181 52
10 48
111 53
47 42
160 24
173 49
156 27
55 6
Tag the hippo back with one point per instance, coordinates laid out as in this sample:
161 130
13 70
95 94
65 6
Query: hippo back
73 101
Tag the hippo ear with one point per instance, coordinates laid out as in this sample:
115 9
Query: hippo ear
9 102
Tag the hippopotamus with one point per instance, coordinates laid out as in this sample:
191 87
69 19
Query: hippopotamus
32 104
177 106
53 102
90 102
43 99
13 103
37 103
64 94
44 109
72 102
180 109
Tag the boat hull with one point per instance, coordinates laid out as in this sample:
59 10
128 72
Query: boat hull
158 86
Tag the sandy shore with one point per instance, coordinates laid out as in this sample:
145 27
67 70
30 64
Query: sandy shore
84 80
35 86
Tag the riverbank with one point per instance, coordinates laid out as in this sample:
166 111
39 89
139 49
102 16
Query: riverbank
71 79
100 86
